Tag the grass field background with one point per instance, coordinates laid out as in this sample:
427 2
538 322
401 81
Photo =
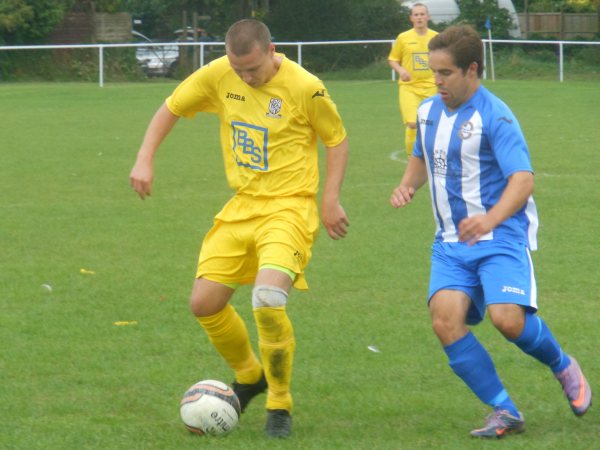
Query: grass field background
72 379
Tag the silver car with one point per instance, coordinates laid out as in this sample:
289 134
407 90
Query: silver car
157 60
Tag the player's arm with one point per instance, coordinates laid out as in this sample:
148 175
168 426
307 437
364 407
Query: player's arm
414 177
515 195
333 215
402 72
142 174
395 57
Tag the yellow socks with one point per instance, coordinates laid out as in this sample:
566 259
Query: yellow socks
228 333
410 136
277 344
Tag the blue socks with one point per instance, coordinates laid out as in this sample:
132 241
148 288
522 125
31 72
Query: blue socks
536 340
472 363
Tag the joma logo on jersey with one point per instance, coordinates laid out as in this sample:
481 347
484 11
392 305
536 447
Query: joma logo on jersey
250 146
233 96
513 290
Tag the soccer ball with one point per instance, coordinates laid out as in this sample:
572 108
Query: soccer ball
210 407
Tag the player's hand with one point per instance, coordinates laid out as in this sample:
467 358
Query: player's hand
141 177
471 229
402 196
335 220
404 75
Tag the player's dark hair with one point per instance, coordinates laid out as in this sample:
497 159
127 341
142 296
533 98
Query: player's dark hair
244 35
463 43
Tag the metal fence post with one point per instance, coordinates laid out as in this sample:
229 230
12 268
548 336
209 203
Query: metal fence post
393 71
560 58
101 65
484 61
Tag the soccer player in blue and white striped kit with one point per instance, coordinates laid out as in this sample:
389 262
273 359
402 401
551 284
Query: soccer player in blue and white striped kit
471 150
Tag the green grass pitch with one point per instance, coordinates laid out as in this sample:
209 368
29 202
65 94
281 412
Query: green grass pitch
73 379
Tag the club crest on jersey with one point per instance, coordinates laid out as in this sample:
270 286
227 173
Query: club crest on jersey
275 108
440 163
466 130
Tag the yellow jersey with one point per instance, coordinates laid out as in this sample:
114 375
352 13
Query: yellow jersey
268 134
410 50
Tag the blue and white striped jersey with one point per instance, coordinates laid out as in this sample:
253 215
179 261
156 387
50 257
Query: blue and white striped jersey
469 154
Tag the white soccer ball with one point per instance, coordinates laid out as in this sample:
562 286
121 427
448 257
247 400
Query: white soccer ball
210 407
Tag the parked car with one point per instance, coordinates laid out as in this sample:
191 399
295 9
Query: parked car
156 60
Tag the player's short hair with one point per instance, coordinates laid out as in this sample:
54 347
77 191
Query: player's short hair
418 4
463 43
244 35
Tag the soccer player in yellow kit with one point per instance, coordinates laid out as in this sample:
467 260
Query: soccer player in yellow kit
409 58
271 112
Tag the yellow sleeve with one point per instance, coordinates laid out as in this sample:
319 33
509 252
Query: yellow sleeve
396 52
197 93
324 116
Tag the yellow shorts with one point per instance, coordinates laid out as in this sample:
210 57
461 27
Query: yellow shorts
410 98
233 251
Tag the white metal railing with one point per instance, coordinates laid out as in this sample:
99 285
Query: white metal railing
561 45
299 45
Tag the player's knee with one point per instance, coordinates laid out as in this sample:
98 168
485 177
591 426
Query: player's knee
198 305
440 327
511 329
268 296
447 329
508 319
207 300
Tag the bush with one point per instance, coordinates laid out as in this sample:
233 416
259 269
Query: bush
590 54
68 65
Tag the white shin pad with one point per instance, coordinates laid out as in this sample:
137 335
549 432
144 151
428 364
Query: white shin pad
268 296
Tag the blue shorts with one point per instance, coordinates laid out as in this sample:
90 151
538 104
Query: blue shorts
488 272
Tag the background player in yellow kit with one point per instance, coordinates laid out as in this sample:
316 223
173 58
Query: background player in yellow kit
271 112
409 58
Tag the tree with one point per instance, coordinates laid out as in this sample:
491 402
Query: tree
335 20
30 20
477 12
159 18
14 14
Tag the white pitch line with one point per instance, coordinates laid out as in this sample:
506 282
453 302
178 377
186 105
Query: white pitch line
397 156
